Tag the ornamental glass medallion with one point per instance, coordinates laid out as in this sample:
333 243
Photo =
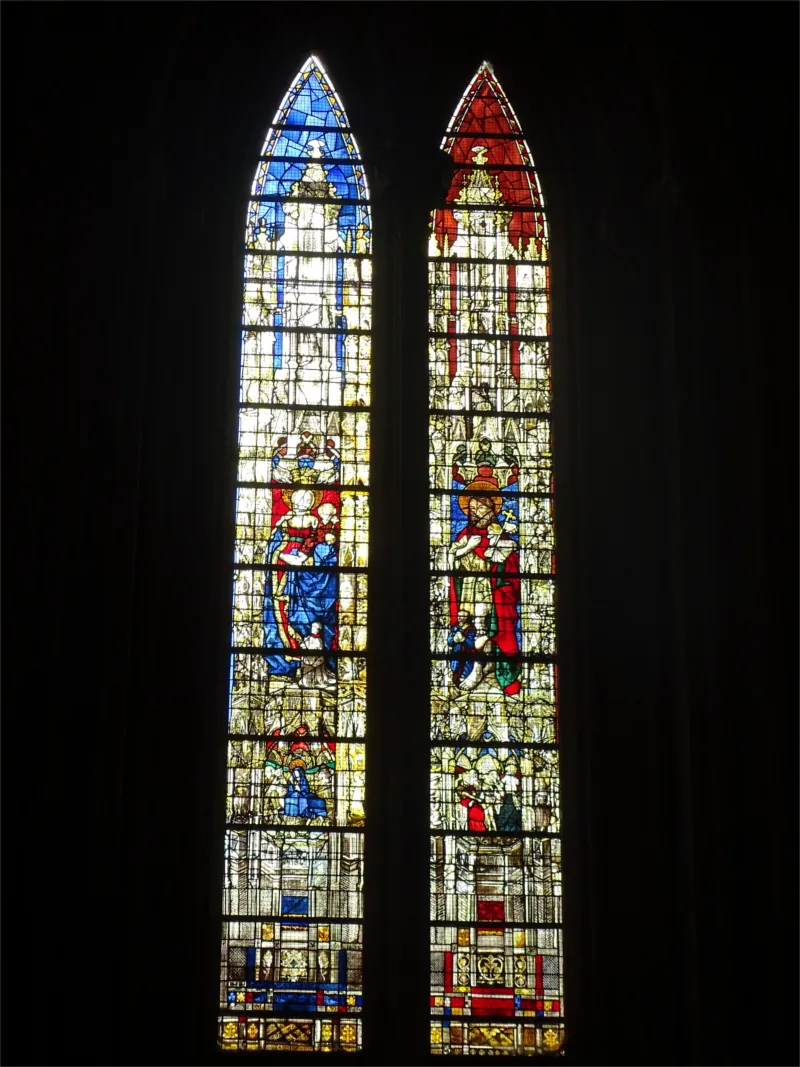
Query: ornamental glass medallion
291 961
495 896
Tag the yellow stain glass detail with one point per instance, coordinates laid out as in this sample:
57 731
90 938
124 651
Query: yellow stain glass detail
293 896
495 866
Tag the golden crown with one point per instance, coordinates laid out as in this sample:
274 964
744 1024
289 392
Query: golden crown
305 475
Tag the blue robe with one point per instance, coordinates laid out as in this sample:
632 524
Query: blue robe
300 800
464 652
311 593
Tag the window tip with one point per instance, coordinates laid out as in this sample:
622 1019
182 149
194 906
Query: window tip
314 61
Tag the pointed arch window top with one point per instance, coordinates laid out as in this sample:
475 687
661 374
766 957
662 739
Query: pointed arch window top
484 108
311 121
311 100
494 169
310 155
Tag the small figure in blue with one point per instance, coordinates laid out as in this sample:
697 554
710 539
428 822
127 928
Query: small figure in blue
300 800
461 641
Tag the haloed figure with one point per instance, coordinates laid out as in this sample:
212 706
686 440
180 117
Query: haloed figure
486 557
300 594
300 800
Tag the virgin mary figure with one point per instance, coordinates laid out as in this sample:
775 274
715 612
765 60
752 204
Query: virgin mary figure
301 592
301 801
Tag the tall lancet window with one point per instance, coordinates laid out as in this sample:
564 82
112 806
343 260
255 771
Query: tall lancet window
496 981
291 965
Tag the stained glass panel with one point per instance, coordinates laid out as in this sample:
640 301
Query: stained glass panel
496 948
291 961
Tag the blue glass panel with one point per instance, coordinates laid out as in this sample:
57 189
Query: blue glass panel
351 178
312 105
295 1001
294 906
295 143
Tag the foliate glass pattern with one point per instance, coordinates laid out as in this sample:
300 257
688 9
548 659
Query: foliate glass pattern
291 960
495 896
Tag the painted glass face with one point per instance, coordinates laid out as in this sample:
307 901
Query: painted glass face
495 897
291 972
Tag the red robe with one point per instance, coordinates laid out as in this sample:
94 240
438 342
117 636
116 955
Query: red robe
476 816
504 582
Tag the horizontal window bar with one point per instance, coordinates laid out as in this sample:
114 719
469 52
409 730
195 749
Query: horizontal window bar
517 1019
532 576
316 129
444 335
481 657
469 286
300 653
315 828
296 254
311 330
453 257
345 921
279 198
501 205
495 413
335 740
301 1054
523 168
455 135
304 570
332 486
503 923
518 494
529 746
497 294
340 408
510 835
335 160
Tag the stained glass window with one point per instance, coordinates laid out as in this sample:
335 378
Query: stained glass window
496 947
291 961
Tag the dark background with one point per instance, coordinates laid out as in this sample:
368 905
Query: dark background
666 140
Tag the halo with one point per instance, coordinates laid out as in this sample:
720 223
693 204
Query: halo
485 489
287 494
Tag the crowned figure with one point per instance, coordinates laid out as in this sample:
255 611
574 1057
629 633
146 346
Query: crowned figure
485 589
301 588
